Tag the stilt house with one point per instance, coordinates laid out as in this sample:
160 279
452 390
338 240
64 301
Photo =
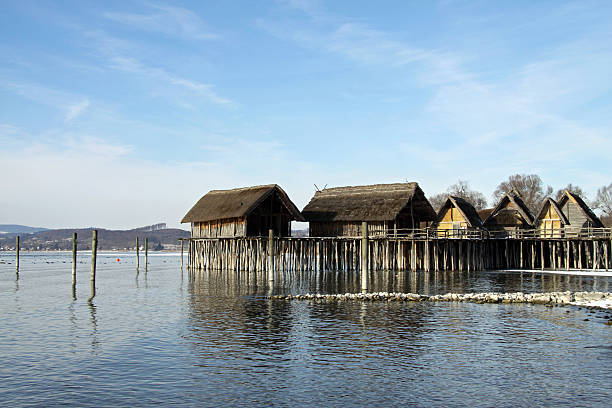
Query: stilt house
579 216
550 220
387 208
241 212
457 215
510 214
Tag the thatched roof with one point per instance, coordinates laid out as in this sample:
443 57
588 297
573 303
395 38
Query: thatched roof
514 198
484 214
239 202
466 209
378 202
553 204
567 195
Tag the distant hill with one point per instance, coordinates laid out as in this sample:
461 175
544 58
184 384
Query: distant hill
19 229
61 239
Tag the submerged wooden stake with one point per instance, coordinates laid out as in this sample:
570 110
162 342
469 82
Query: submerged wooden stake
17 254
74 257
182 242
137 253
364 257
146 254
94 253
271 255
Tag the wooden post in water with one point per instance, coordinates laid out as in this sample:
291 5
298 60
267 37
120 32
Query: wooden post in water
270 255
74 257
17 255
182 242
364 257
146 254
137 253
94 253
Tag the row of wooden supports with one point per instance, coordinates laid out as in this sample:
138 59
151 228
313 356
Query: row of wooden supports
94 255
373 254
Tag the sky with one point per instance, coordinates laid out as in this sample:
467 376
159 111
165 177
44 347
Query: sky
123 114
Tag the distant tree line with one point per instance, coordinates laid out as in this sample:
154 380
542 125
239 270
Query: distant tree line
533 192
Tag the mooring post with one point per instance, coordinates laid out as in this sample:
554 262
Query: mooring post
146 254
17 254
94 253
74 257
182 242
271 255
364 257
137 253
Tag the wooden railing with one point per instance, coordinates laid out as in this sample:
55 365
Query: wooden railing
473 234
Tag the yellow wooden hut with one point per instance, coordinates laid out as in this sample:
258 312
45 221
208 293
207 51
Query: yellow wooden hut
457 216
551 221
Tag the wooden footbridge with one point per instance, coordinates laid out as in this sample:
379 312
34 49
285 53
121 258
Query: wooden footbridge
415 250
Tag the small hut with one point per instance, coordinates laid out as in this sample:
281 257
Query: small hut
579 216
550 220
510 214
386 207
241 212
457 215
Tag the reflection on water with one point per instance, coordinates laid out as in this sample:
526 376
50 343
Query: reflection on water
168 336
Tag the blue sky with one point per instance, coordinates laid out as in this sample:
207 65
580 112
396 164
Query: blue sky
121 114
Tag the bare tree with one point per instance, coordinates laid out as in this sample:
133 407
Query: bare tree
603 201
460 189
529 186
437 201
572 189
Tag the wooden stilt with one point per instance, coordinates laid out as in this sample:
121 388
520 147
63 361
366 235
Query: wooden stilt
17 255
94 253
364 257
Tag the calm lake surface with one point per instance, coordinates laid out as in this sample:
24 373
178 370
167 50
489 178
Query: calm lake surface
171 338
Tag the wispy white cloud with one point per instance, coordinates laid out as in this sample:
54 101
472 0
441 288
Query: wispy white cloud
119 55
76 110
70 104
169 20
87 145
136 67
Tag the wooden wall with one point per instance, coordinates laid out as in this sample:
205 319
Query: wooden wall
550 224
452 220
226 228
346 228
576 217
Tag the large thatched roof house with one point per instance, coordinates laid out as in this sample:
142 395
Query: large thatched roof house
248 211
511 213
387 208
457 214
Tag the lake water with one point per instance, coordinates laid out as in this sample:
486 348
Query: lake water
172 338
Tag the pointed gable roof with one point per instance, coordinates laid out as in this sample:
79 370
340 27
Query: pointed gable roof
569 196
378 202
465 208
552 204
238 202
515 198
